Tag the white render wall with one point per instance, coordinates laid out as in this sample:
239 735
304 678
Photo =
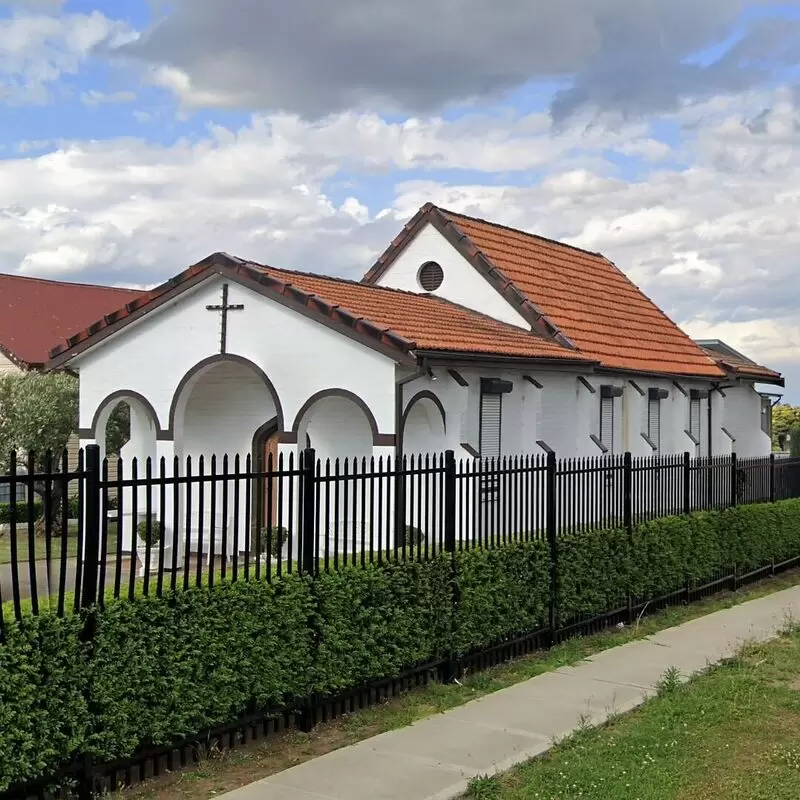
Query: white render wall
300 356
462 283
743 420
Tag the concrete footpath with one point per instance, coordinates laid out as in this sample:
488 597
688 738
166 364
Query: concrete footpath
435 758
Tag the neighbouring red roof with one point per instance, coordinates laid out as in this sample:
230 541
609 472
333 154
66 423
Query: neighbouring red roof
401 321
575 296
737 365
35 313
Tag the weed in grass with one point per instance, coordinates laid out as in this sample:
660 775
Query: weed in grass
670 681
483 788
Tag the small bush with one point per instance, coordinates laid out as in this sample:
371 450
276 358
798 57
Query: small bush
273 540
22 515
150 533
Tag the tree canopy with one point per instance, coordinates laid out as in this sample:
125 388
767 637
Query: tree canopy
784 418
39 412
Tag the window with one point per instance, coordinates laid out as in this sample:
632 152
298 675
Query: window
491 425
766 416
5 493
608 416
491 421
654 398
430 276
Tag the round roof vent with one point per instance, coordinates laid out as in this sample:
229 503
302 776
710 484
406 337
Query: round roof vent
430 276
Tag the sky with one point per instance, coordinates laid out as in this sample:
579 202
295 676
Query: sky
138 137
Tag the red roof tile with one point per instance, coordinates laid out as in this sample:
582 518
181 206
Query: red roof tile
400 321
737 365
35 313
578 297
429 322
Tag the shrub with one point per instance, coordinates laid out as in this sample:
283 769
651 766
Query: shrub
22 516
150 533
158 669
413 536
502 592
273 540
44 716
163 668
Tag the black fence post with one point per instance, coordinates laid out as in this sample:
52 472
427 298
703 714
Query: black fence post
772 477
552 540
308 515
92 506
687 483
734 480
453 666
627 511
449 501
627 492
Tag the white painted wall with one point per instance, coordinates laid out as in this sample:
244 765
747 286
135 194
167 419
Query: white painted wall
462 283
743 420
300 356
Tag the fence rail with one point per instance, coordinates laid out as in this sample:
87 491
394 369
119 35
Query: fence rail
80 537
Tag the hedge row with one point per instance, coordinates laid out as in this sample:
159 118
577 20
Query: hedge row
21 512
160 669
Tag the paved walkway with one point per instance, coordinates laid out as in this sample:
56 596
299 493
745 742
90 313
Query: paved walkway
435 758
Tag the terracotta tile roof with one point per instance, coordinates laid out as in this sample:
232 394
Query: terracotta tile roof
35 313
428 322
738 365
399 321
575 296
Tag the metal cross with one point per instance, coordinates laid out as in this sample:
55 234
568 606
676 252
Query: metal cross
224 308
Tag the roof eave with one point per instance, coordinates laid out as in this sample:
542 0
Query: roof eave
458 356
376 337
666 374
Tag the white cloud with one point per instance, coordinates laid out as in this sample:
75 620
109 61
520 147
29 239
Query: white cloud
714 243
37 49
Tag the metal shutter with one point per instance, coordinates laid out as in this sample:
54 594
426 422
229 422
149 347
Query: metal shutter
694 416
654 421
491 414
607 422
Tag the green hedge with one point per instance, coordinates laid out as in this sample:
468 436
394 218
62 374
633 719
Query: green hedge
160 669
598 570
379 621
501 593
22 515
44 715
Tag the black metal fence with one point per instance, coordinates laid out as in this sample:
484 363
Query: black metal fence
79 537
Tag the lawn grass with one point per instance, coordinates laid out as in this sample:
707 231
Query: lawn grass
57 543
732 733
219 771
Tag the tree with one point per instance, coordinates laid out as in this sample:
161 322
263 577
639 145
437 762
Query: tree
38 412
784 417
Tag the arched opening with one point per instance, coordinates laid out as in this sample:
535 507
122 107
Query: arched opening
225 412
126 428
424 433
340 426
424 425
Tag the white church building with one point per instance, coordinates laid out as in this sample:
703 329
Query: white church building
465 335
